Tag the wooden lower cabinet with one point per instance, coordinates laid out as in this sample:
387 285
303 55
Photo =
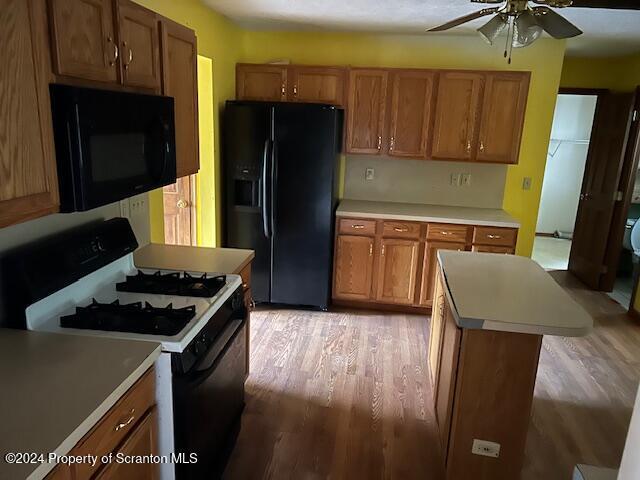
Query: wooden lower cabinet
129 428
398 264
353 267
482 384
391 263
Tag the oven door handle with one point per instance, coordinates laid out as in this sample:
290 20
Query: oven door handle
209 362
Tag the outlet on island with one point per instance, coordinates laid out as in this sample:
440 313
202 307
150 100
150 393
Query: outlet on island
369 174
485 448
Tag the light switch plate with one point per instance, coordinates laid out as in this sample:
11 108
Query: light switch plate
526 183
485 448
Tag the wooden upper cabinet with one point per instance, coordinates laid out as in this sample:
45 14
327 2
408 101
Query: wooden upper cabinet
139 45
502 119
366 110
353 268
397 270
28 185
180 81
266 83
317 85
83 38
411 106
458 104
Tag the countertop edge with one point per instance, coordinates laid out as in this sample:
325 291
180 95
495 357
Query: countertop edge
72 440
417 218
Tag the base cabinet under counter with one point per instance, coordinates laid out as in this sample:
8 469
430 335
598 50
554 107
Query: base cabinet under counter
380 263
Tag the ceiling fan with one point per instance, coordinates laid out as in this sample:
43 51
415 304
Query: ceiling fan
525 20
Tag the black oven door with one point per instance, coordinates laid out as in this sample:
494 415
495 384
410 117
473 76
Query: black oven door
207 404
111 145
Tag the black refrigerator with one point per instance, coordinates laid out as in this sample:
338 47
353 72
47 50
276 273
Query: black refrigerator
280 165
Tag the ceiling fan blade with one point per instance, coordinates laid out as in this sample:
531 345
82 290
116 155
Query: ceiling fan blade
554 3
488 1
465 19
613 4
555 25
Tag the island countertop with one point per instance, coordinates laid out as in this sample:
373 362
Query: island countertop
57 387
509 293
492 217
192 259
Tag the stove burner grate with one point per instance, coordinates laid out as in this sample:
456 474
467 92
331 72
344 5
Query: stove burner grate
173 283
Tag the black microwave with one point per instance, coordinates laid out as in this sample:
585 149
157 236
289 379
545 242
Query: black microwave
110 145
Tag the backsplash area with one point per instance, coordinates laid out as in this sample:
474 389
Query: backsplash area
421 181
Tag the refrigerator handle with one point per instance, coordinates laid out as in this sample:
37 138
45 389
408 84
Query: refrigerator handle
265 184
274 179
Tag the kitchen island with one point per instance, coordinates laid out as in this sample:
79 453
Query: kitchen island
56 388
489 316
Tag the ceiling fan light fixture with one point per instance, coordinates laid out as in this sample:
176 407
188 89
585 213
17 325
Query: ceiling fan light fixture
525 30
490 30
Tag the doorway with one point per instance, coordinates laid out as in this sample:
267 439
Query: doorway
179 200
587 210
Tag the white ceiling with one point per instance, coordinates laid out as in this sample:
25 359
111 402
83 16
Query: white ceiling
607 32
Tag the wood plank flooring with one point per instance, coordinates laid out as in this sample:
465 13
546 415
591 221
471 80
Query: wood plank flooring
346 395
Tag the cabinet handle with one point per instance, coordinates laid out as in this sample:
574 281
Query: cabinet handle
382 251
252 304
371 249
295 90
126 422
444 232
392 143
283 90
379 142
115 51
481 146
401 229
494 236
357 226
468 147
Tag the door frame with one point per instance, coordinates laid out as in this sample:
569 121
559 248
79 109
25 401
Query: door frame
627 180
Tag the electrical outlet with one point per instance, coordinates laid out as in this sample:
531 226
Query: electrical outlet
526 183
466 180
485 448
125 210
369 174
455 179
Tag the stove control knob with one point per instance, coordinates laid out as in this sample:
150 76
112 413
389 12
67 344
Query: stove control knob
199 347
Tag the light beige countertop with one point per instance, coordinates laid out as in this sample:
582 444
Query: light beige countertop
192 259
426 213
509 293
55 388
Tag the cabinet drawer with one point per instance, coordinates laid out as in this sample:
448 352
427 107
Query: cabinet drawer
447 232
493 249
354 226
401 229
505 237
117 423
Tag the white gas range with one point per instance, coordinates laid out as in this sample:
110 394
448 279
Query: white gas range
86 283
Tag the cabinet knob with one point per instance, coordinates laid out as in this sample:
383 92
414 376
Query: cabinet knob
182 203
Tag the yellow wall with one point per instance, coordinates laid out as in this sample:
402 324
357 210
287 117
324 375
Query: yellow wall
219 40
614 73
543 59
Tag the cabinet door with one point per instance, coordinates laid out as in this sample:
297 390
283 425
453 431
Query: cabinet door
397 271
429 267
448 369
435 333
353 271
411 105
180 81
140 442
502 119
28 185
457 106
83 39
366 112
493 249
139 45
317 85
266 83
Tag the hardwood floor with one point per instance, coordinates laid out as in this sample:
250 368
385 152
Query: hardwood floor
346 395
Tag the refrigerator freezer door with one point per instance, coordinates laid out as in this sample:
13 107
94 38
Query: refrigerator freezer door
305 164
248 132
